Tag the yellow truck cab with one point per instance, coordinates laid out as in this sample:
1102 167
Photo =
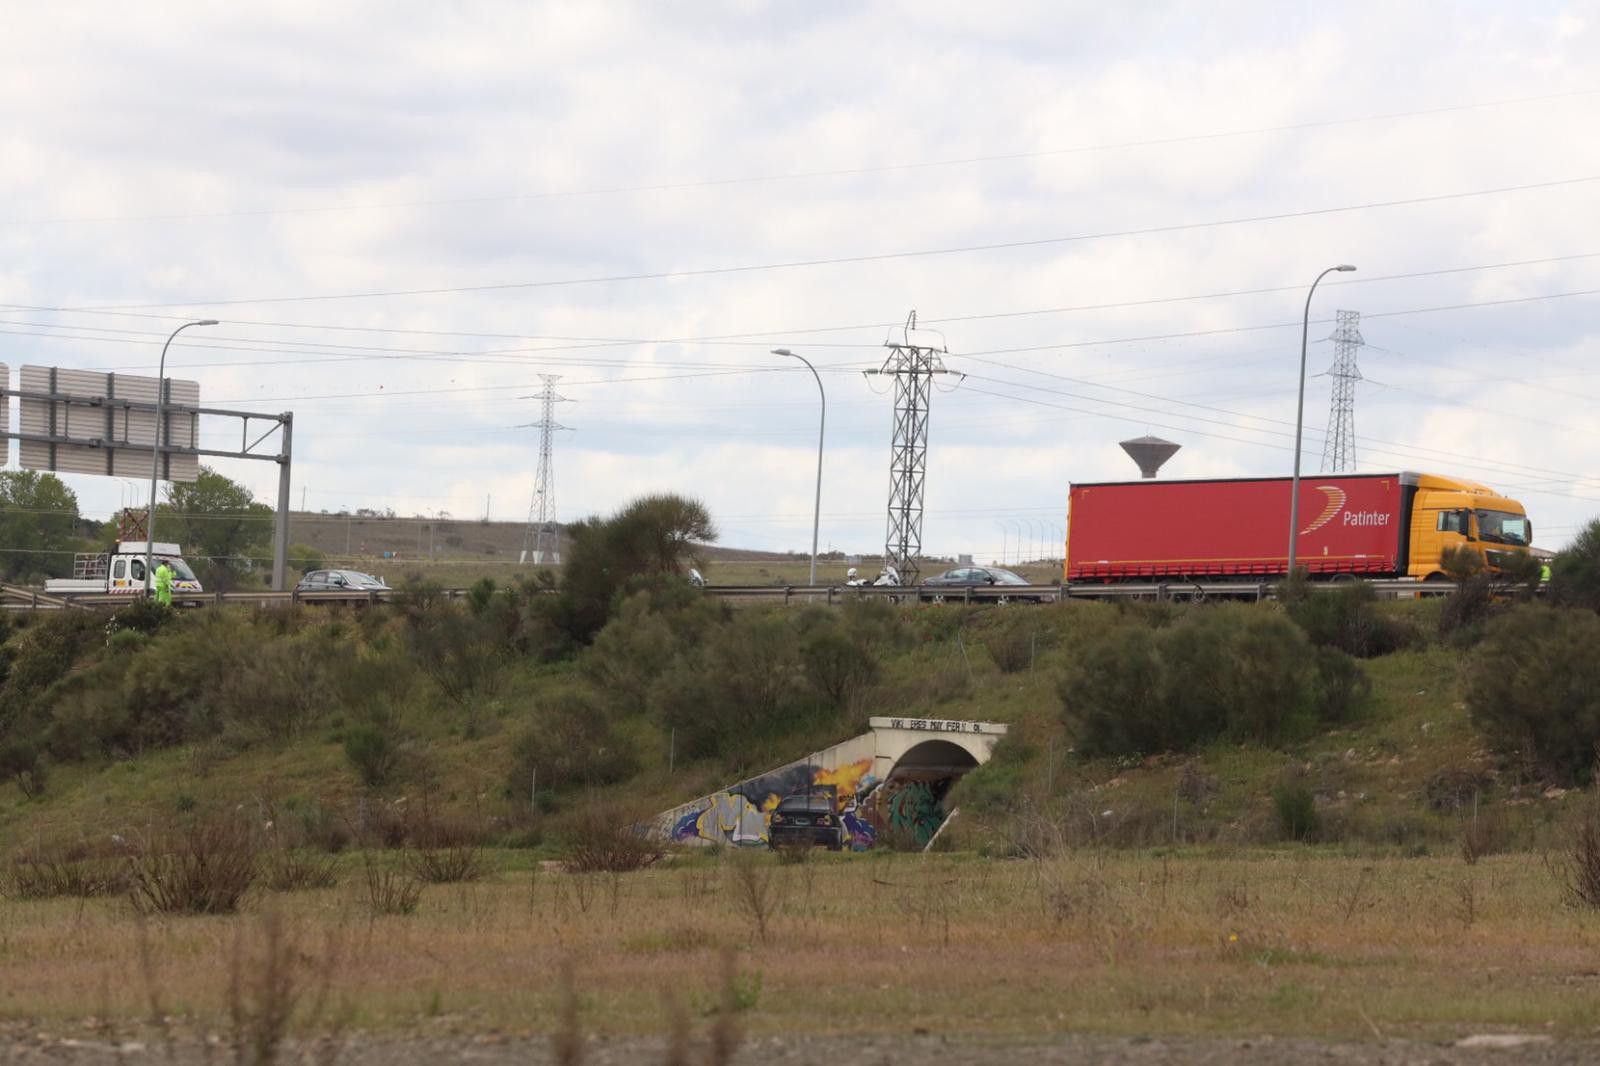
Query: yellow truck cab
1450 512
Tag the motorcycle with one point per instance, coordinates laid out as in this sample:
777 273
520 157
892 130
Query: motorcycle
888 576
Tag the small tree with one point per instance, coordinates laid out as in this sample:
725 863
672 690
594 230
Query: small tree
218 524
1575 573
653 537
1534 690
38 514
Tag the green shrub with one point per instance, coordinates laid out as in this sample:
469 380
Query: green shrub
305 558
996 786
746 682
1295 808
374 752
1012 646
141 616
837 664
1533 688
41 654
1575 572
1343 689
24 761
569 744
206 867
653 629
1234 671
281 688
1347 617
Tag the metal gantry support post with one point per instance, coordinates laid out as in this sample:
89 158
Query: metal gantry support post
280 527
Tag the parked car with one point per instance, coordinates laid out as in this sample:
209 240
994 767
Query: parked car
339 581
807 820
951 583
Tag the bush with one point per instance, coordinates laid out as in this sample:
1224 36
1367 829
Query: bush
1347 617
53 873
305 558
141 616
374 751
602 837
1534 690
1012 648
1295 807
23 760
1233 672
295 870
280 688
1575 572
206 867
446 862
745 683
569 745
837 664
391 892
1467 609
654 537
996 786
1578 867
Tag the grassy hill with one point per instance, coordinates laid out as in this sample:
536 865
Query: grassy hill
1410 774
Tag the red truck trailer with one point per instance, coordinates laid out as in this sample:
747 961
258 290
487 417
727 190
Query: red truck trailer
1133 530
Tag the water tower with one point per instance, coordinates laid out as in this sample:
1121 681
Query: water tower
1150 452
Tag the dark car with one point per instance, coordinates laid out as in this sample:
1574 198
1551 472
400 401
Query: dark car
806 820
339 581
953 583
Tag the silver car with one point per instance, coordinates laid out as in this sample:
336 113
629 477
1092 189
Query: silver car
339 581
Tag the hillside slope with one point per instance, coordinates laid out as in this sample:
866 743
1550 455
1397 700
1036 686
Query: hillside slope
1406 775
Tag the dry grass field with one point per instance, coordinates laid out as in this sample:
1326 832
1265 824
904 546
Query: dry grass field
1295 942
457 552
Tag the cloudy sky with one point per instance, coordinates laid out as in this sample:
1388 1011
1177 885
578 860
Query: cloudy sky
404 214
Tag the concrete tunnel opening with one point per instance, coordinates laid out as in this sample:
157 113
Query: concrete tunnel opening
911 804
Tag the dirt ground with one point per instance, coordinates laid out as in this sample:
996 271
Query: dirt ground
883 1050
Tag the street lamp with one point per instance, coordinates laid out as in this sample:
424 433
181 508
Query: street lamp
822 423
155 453
1299 418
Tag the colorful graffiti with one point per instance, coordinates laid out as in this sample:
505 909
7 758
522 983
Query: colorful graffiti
741 814
915 810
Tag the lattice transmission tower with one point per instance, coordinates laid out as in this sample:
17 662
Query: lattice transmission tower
541 541
914 360
1339 446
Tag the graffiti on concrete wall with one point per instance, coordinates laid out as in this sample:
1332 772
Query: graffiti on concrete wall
740 815
915 811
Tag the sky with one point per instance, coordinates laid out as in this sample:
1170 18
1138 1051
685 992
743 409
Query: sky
403 214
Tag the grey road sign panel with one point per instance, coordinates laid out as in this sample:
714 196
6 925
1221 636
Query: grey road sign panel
95 434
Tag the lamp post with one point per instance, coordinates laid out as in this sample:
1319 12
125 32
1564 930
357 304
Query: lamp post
155 452
1299 419
822 424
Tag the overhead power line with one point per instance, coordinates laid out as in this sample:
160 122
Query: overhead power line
837 172
874 257
152 338
595 342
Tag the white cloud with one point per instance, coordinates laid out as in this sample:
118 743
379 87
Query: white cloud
324 149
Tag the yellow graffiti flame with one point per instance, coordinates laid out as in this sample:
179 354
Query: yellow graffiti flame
847 777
